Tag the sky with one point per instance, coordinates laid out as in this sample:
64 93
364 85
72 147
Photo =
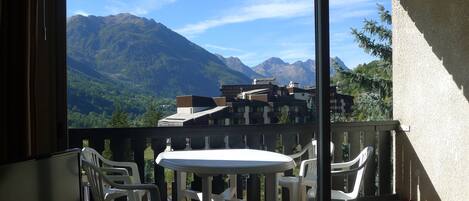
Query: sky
253 30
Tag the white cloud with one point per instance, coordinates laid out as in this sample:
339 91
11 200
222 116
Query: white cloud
264 10
293 51
81 12
249 58
347 14
292 55
342 10
340 37
222 48
268 9
340 3
136 7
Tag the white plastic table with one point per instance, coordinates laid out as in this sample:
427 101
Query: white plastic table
207 163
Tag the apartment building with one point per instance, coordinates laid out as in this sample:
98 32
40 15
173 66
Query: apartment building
262 102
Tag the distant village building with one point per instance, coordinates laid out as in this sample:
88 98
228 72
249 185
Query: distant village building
259 81
262 102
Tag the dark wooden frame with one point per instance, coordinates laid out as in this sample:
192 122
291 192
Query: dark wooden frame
321 13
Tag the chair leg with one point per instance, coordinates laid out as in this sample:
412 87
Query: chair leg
293 192
233 185
86 192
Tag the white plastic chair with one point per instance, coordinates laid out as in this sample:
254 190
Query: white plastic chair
115 171
292 183
104 189
344 168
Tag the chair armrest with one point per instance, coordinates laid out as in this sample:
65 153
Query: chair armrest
125 179
344 164
114 170
131 165
303 151
297 155
346 167
303 166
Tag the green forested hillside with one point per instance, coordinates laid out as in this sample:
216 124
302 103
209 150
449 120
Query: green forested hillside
130 62
93 97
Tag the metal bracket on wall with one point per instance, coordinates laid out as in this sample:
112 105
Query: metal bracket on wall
404 128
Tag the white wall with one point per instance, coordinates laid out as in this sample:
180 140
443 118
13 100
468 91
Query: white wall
190 110
431 93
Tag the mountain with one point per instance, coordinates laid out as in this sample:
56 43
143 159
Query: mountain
236 64
336 62
270 67
146 55
300 71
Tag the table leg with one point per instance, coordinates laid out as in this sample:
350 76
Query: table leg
181 185
206 188
271 187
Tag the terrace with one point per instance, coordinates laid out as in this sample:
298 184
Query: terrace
349 138
422 155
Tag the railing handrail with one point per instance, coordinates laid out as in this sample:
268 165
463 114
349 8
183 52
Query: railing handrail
369 125
217 130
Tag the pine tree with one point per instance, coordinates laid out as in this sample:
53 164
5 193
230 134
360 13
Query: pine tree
151 117
119 118
372 82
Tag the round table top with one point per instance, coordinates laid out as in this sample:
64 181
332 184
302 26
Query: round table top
225 161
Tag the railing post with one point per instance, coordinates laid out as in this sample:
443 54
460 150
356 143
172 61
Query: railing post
158 145
97 143
75 141
179 143
339 139
384 163
236 142
254 183
289 142
355 143
117 148
270 141
370 173
138 147
216 142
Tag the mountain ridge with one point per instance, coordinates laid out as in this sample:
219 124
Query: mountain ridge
298 71
147 54
236 64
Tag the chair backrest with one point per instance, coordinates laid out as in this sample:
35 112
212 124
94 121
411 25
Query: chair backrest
311 169
95 179
92 156
364 157
311 149
99 161
314 149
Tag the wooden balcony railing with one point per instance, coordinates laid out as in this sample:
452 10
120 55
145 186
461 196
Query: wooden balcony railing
349 138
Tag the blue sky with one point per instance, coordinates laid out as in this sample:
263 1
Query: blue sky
253 30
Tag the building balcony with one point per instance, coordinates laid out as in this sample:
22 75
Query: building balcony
129 144
256 114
